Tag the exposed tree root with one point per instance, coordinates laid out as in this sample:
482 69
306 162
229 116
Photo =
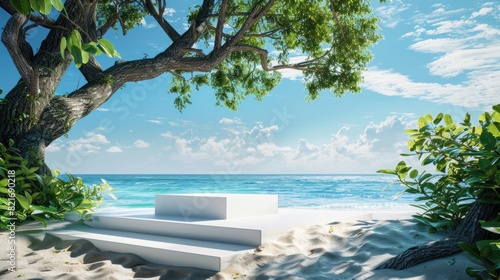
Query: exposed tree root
468 231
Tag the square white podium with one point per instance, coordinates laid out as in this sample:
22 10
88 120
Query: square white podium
216 206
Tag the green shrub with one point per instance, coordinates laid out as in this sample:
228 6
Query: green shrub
466 158
466 163
26 195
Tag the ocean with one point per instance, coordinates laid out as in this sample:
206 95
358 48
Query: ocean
335 192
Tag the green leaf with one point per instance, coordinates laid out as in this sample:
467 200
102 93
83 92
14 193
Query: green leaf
85 56
75 39
45 209
401 165
471 250
77 55
77 199
414 173
387 171
441 165
58 4
62 46
41 218
421 123
471 272
448 119
491 226
116 54
496 108
485 251
438 119
23 201
428 118
483 164
494 129
22 6
487 139
106 47
91 48
42 6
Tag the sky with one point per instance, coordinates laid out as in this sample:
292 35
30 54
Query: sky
436 56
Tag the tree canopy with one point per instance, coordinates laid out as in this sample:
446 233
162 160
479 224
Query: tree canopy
244 44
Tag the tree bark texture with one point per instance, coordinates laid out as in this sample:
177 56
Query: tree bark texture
468 231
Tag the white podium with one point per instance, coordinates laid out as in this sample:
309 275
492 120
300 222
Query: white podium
216 206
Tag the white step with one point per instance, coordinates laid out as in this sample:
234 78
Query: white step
176 227
250 231
216 205
161 249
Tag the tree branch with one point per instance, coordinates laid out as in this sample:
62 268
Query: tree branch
95 92
220 25
92 70
41 20
252 18
304 65
107 25
158 16
11 40
337 20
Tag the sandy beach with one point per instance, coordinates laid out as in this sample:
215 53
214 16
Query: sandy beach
339 250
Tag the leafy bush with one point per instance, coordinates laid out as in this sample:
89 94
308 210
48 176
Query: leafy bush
27 195
466 163
445 200
466 158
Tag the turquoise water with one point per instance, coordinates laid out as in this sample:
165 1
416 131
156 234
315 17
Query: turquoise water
357 192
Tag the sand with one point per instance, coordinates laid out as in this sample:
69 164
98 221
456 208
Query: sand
347 250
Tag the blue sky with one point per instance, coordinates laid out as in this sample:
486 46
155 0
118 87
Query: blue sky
436 56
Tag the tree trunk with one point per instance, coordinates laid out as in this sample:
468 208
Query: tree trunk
468 231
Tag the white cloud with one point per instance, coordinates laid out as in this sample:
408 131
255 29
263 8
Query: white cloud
254 150
167 135
169 12
141 144
306 151
293 74
53 147
103 109
459 61
482 12
465 48
439 45
448 26
478 91
230 121
390 13
155 121
90 144
114 149
439 14
147 25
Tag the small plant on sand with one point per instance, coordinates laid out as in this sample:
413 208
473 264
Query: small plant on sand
24 194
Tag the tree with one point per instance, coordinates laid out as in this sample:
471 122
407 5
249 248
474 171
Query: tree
335 36
464 189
